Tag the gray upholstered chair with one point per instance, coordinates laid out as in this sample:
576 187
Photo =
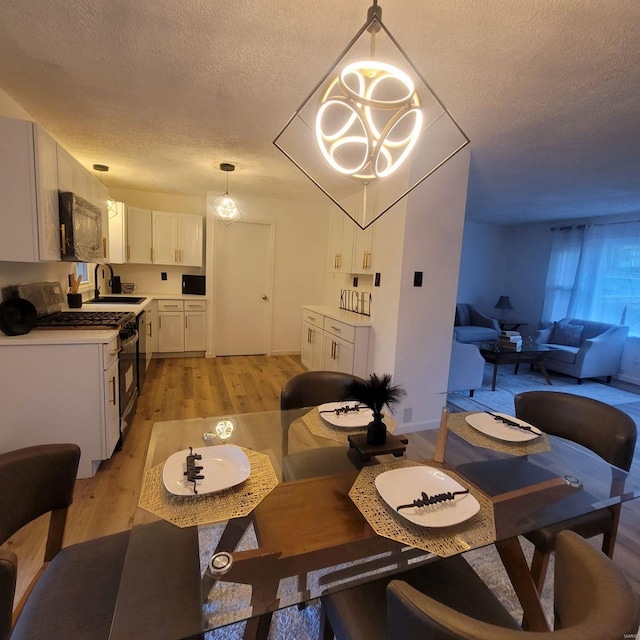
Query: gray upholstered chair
75 595
605 430
307 390
593 601
466 368
470 325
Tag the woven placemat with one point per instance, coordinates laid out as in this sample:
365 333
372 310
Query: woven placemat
478 531
462 428
188 511
323 429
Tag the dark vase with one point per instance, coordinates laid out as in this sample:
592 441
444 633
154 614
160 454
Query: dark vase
377 430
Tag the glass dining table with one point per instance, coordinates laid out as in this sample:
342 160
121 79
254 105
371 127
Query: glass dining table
296 541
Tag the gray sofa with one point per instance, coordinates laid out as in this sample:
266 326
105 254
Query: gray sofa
473 327
591 352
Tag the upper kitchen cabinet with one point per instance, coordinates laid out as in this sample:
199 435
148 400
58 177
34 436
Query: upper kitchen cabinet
177 238
139 236
340 243
350 248
28 193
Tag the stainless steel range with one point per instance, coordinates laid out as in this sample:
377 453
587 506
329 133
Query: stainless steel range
85 320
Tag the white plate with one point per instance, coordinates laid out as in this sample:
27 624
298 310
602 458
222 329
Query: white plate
223 466
403 486
351 420
496 429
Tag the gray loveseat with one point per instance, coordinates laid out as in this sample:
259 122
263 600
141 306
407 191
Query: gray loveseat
474 327
583 348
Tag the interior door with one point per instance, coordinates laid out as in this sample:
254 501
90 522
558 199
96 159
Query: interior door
243 282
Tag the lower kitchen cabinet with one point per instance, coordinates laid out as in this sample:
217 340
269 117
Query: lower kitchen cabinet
181 326
53 393
335 340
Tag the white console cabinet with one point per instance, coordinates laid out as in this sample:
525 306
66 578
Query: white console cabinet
335 340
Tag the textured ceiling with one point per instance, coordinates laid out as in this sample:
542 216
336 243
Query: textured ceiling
162 91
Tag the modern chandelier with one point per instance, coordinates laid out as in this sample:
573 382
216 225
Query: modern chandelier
371 130
224 206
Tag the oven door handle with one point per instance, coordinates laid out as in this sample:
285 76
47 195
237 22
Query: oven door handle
132 339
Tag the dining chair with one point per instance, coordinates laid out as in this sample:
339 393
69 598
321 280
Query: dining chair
74 593
310 389
605 430
592 601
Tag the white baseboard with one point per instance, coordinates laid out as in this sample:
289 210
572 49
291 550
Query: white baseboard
627 378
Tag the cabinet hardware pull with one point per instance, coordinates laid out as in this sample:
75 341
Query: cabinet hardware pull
186 321
151 254
104 247
63 238
336 328
113 382
160 321
150 329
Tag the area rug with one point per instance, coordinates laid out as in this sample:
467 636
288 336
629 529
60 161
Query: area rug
292 623
508 385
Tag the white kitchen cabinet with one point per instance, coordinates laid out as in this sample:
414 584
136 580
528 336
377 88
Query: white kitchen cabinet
362 262
152 330
46 155
195 329
182 326
341 231
335 340
312 337
100 198
75 384
28 193
350 248
112 408
139 236
337 354
177 238
170 331
116 213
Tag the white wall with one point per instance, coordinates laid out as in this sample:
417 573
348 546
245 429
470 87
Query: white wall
301 239
432 245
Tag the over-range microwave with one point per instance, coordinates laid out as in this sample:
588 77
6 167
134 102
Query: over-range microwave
80 229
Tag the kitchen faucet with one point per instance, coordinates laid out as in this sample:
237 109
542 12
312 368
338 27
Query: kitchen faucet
96 291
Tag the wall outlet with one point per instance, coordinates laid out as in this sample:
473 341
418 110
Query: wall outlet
163 275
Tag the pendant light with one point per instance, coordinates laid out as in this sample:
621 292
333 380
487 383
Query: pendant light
224 206
372 129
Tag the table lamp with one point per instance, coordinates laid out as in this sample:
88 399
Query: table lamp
504 304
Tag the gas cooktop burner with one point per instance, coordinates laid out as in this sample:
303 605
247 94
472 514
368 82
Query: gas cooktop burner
85 320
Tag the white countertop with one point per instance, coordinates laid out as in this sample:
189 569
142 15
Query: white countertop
90 336
59 336
348 317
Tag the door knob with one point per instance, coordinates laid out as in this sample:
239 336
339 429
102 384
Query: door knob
265 298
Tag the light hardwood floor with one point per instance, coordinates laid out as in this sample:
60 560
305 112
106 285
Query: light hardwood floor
175 388
196 387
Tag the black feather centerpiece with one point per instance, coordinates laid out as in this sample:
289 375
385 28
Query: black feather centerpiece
376 393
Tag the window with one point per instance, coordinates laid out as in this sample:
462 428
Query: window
86 270
594 274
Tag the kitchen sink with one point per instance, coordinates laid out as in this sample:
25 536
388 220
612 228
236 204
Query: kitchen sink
116 300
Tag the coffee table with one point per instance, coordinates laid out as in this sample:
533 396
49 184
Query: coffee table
534 355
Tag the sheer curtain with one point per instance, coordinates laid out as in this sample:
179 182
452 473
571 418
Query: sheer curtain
594 274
